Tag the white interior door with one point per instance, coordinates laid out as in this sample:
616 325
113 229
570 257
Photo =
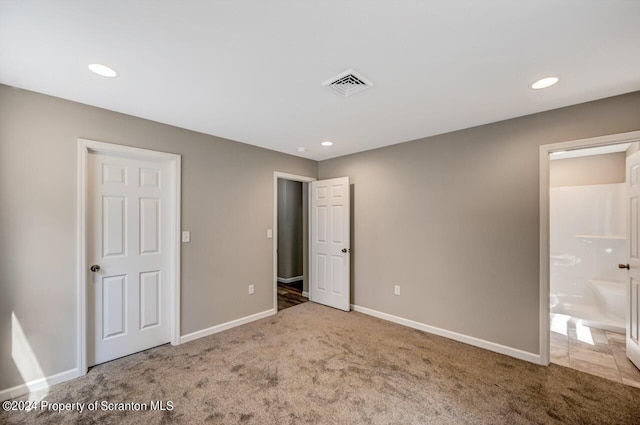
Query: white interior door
128 240
633 237
330 245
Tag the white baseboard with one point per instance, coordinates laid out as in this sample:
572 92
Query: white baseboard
290 279
305 294
477 342
224 326
38 384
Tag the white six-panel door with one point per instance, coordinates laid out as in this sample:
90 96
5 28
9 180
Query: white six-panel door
633 236
330 243
128 239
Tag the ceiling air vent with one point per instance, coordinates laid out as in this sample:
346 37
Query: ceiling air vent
347 83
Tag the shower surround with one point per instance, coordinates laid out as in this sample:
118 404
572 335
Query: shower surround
588 241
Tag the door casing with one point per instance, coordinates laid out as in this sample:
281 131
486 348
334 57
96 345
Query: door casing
86 147
545 151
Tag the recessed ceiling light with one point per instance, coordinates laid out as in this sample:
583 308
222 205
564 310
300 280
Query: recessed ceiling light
327 143
558 153
103 70
302 149
544 83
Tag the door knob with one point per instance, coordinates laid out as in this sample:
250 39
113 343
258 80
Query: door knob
346 249
623 266
95 268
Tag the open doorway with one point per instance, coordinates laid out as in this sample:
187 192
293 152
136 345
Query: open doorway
588 251
291 262
326 239
291 241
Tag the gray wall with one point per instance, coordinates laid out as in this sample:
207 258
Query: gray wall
227 203
289 229
454 220
587 170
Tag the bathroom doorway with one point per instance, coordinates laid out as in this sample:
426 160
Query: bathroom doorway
587 243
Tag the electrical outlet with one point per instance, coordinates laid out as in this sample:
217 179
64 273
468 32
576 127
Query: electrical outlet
396 290
252 289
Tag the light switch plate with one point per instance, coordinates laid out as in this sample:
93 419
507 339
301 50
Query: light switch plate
269 233
186 236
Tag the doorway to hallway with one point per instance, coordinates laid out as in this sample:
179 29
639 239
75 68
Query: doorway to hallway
291 242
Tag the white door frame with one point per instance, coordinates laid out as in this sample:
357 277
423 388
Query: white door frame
85 147
545 151
286 176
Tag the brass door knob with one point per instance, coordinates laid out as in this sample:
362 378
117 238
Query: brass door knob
95 268
623 266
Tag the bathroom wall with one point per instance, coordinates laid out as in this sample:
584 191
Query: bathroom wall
585 170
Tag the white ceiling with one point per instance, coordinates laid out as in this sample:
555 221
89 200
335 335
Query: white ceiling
251 71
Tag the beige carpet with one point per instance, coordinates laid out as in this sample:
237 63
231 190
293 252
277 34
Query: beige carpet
315 365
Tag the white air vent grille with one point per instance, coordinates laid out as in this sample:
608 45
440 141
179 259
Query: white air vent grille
348 83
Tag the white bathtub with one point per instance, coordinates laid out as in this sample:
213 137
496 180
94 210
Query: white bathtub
602 305
610 298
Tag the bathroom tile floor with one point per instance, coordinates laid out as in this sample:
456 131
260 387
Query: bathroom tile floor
593 351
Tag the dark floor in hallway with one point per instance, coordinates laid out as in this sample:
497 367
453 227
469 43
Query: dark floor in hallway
290 294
